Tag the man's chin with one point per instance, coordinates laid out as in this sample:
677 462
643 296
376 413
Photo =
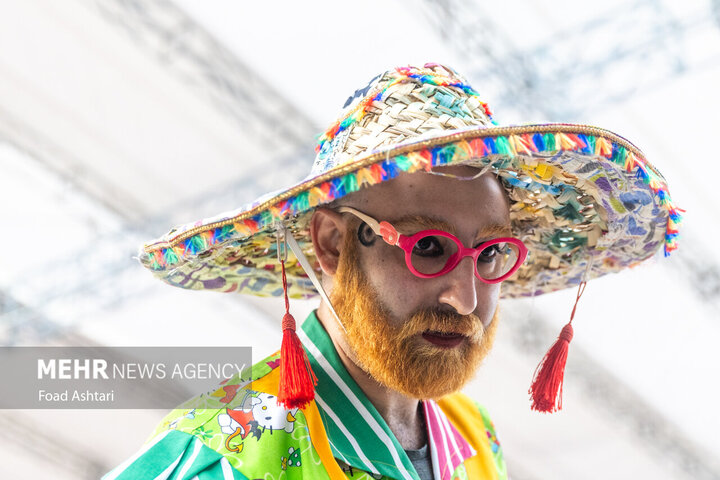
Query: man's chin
423 370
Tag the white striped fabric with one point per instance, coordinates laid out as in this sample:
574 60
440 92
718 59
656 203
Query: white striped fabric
120 468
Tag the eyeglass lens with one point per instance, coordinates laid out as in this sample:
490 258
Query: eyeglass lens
432 253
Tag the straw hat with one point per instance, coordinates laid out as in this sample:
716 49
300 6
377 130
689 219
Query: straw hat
584 200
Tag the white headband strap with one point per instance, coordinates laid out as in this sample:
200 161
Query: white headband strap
305 264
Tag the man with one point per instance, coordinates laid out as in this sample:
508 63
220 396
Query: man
419 213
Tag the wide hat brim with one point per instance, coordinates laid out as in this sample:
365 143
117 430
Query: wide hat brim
584 200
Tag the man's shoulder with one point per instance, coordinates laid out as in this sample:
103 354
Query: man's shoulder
238 427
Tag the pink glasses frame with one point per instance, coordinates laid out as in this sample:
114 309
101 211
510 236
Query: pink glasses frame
406 243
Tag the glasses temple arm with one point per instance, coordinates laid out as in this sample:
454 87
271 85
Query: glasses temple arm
383 229
369 220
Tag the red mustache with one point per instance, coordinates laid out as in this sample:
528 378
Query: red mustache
443 321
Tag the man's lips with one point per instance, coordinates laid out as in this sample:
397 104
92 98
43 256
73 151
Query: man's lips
443 339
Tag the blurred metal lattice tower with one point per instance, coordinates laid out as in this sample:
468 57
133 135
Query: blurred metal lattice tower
603 60
25 329
101 274
175 40
191 52
716 12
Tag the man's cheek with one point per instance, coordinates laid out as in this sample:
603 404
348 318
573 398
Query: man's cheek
487 305
396 292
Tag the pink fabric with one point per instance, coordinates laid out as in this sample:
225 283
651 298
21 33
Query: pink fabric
450 448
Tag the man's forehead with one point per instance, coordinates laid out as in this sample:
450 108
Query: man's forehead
419 201
411 223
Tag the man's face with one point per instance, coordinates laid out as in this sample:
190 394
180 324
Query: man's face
422 337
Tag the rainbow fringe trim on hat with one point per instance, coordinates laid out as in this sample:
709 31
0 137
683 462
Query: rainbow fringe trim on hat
198 239
405 74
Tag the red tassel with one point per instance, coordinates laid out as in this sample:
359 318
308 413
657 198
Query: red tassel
547 386
297 380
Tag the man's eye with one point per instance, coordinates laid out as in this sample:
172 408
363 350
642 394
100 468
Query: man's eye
489 253
428 247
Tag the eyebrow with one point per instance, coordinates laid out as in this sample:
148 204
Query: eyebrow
410 222
422 222
495 230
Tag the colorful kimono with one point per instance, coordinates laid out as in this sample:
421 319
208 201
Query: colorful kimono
240 432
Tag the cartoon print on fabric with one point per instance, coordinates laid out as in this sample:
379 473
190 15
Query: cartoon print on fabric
256 415
271 416
234 423
292 460
226 393
173 423
247 427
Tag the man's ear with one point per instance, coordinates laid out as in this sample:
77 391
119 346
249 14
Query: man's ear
327 231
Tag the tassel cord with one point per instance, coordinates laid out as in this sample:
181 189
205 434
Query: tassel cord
581 290
284 283
547 386
297 380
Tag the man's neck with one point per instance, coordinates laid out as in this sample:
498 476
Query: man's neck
404 415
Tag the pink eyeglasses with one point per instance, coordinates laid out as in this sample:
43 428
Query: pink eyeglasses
431 253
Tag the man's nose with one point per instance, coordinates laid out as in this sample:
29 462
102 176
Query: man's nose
460 291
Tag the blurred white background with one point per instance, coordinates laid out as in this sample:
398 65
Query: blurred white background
122 118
